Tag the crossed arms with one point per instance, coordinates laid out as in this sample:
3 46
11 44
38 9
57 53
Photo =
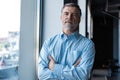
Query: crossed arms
49 69
52 63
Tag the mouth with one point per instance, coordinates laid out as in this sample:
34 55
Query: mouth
68 22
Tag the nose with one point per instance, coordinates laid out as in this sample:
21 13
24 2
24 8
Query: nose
70 16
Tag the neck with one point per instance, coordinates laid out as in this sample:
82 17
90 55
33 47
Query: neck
68 32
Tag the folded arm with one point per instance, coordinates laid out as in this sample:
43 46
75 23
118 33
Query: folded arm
82 67
48 68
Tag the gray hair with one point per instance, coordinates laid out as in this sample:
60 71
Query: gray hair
72 5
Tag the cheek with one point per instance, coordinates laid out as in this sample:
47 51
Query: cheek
77 20
62 18
63 21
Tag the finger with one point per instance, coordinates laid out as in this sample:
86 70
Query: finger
77 62
51 58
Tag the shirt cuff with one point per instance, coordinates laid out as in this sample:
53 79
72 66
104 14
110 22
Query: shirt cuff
58 69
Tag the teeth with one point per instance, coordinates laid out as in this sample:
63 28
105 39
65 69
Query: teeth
67 21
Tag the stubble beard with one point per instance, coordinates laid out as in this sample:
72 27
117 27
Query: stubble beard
69 27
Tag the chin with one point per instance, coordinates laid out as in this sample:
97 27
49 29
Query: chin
67 28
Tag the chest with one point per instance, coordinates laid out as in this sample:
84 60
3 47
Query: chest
66 52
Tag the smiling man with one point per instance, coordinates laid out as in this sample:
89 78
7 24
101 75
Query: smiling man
68 55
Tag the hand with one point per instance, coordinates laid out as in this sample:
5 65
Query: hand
51 63
77 62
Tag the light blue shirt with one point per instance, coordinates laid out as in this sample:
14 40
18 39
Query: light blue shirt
66 50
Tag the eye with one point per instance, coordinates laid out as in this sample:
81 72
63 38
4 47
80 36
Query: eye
65 13
75 14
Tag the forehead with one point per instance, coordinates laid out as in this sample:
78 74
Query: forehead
70 9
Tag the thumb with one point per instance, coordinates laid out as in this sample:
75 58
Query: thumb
77 62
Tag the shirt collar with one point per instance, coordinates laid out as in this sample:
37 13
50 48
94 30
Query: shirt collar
74 35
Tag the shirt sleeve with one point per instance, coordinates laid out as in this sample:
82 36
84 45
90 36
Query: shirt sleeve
82 71
43 71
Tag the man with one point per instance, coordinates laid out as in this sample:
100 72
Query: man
69 55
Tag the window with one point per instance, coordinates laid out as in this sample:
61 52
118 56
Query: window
9 38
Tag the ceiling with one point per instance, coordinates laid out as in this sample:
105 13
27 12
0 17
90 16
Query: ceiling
101 7
107 5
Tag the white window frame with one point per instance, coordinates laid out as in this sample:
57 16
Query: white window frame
29 40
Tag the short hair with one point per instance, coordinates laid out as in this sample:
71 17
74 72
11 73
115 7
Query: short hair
72 5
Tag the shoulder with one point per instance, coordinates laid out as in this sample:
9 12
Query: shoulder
57 36
87 44
85 40
52 39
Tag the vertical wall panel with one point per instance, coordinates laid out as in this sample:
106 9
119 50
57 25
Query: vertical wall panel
119 39
82 29
28 39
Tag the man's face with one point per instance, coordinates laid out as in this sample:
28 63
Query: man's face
70 18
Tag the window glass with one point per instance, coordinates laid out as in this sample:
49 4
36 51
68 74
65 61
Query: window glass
9 38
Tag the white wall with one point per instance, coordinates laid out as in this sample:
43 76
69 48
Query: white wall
51 15
28 40
82 4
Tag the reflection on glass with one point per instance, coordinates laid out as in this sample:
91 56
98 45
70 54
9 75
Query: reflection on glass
10 49
9 39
